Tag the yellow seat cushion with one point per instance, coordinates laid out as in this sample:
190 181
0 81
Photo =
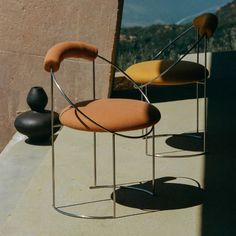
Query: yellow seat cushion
113 114
185 72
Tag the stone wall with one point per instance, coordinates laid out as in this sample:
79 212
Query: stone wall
29 28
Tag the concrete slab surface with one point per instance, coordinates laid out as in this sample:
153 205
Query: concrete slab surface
18 163
176 210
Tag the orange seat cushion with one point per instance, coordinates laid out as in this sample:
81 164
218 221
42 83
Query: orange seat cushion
113 114
185 72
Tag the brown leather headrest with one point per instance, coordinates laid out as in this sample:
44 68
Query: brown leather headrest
206 24
71 49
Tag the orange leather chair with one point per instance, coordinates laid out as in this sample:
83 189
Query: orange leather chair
98 115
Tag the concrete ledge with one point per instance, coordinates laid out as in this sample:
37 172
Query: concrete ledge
18 163
34 214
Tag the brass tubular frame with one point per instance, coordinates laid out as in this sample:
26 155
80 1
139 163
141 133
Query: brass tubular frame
94 134
114 173
174 64
114 185
172 42
204 83
153 190
205 95
153 162
52 143
197 85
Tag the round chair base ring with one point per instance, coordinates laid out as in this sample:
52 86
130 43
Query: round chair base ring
59 209
65 210
179 145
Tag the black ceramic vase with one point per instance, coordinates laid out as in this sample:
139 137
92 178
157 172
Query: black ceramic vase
36 124
37 99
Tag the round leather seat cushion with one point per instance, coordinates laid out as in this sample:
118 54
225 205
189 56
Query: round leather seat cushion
185 72
113 114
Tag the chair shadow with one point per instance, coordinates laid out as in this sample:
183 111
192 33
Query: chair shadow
169 196
158 94
186 141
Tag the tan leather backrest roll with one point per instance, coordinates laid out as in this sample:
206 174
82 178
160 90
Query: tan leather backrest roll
206 24
71 49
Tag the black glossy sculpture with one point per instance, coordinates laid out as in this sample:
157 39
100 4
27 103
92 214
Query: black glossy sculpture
36 124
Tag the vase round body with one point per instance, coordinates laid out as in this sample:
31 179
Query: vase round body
36 124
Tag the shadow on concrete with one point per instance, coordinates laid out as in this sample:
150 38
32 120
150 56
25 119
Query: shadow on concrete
186 141
162 93
169 195
42 142
219 209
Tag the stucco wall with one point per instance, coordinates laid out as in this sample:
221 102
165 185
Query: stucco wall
29 28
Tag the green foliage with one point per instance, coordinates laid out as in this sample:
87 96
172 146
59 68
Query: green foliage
142 43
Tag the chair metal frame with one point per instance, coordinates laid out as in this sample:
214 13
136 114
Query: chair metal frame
204 84
114 184
195 44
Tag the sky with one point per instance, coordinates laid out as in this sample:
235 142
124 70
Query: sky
148 12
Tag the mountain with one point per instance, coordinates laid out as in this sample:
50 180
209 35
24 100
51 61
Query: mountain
140 43
148 12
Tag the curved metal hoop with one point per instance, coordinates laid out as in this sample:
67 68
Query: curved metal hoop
114 186
163 155
87 117
60 208
174 64
203 82
127 77
171 43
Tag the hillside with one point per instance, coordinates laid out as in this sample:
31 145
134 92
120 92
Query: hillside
147 12
140 43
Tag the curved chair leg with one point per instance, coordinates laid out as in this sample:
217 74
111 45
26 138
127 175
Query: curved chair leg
95 157
52 143
59 209
114 173
153 163
114 186
197 97
153 184
197 135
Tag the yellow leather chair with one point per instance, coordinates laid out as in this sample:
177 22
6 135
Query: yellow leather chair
98 115
160 72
